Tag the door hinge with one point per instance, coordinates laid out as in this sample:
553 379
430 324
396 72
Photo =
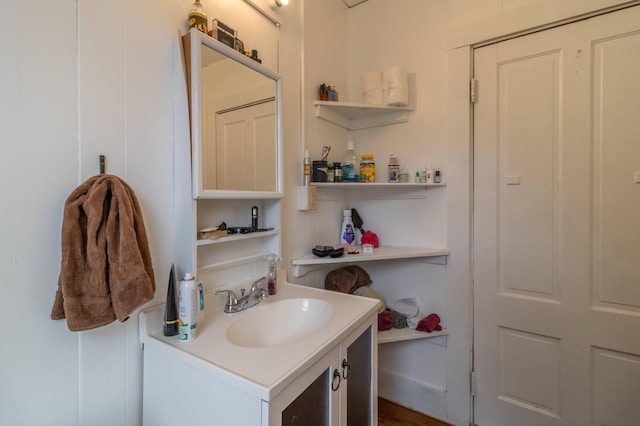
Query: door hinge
473 383
473 91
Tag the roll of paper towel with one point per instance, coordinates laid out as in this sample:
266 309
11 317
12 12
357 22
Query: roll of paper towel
395 83
371 83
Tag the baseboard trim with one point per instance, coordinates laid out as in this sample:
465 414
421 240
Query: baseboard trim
409 392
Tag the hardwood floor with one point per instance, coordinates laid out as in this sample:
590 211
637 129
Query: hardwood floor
390 413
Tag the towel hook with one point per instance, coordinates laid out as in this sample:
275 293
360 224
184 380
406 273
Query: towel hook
102 166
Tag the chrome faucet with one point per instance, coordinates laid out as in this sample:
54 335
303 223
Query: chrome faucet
254 297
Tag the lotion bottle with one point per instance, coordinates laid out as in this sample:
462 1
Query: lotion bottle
188 309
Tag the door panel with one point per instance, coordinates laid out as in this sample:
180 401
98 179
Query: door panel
556 246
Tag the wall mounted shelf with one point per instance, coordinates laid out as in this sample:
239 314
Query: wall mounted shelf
404 334
234 237
356 116
372 185
304 265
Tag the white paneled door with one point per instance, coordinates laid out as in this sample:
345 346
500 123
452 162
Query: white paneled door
557 226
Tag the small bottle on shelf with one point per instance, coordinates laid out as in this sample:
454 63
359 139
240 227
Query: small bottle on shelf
429 175
347 232
394 169
306 164
350 164
337 173
367 168
197 18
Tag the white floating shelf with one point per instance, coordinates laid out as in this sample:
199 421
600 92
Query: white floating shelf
356 116
303 265
403 334
371 185
236 237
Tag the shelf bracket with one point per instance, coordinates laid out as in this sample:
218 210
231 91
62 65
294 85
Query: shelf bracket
302 270
435 260
389 117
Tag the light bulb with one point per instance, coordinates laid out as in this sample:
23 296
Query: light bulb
274 4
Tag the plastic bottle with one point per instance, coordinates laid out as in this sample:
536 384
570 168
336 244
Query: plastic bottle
170 321
197 18
436 177
272 276
429 175
338 173
306 164
349 164
347 232
394 169
367 168
188 309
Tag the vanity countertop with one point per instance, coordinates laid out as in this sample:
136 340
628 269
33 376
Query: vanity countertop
262 371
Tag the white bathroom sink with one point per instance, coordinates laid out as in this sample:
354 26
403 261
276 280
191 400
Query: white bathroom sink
279 323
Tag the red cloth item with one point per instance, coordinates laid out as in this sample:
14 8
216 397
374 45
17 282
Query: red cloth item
429 323
385 320
370 238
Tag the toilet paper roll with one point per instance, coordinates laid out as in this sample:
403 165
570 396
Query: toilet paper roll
371 83
373 96
395 83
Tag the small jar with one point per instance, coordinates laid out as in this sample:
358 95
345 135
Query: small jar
330 172
337 172
367 168
332 93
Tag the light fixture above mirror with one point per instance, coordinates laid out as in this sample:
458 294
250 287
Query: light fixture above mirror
274 4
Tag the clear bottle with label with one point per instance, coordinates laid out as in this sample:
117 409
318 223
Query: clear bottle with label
197 18
350 172
188 309
347 232
367 168
272 279
394 169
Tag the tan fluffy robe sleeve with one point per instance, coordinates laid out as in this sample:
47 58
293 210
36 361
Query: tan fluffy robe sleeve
106 271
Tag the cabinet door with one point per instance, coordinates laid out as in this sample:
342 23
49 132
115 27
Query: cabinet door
310 399
358 370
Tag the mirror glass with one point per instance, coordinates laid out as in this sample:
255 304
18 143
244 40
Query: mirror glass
237 141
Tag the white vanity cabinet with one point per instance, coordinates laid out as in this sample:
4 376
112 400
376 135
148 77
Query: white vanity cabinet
213 381
339 389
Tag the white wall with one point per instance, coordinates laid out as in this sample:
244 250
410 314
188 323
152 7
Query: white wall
432 40
82 78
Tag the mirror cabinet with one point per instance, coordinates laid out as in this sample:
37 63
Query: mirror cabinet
232 165
234 109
